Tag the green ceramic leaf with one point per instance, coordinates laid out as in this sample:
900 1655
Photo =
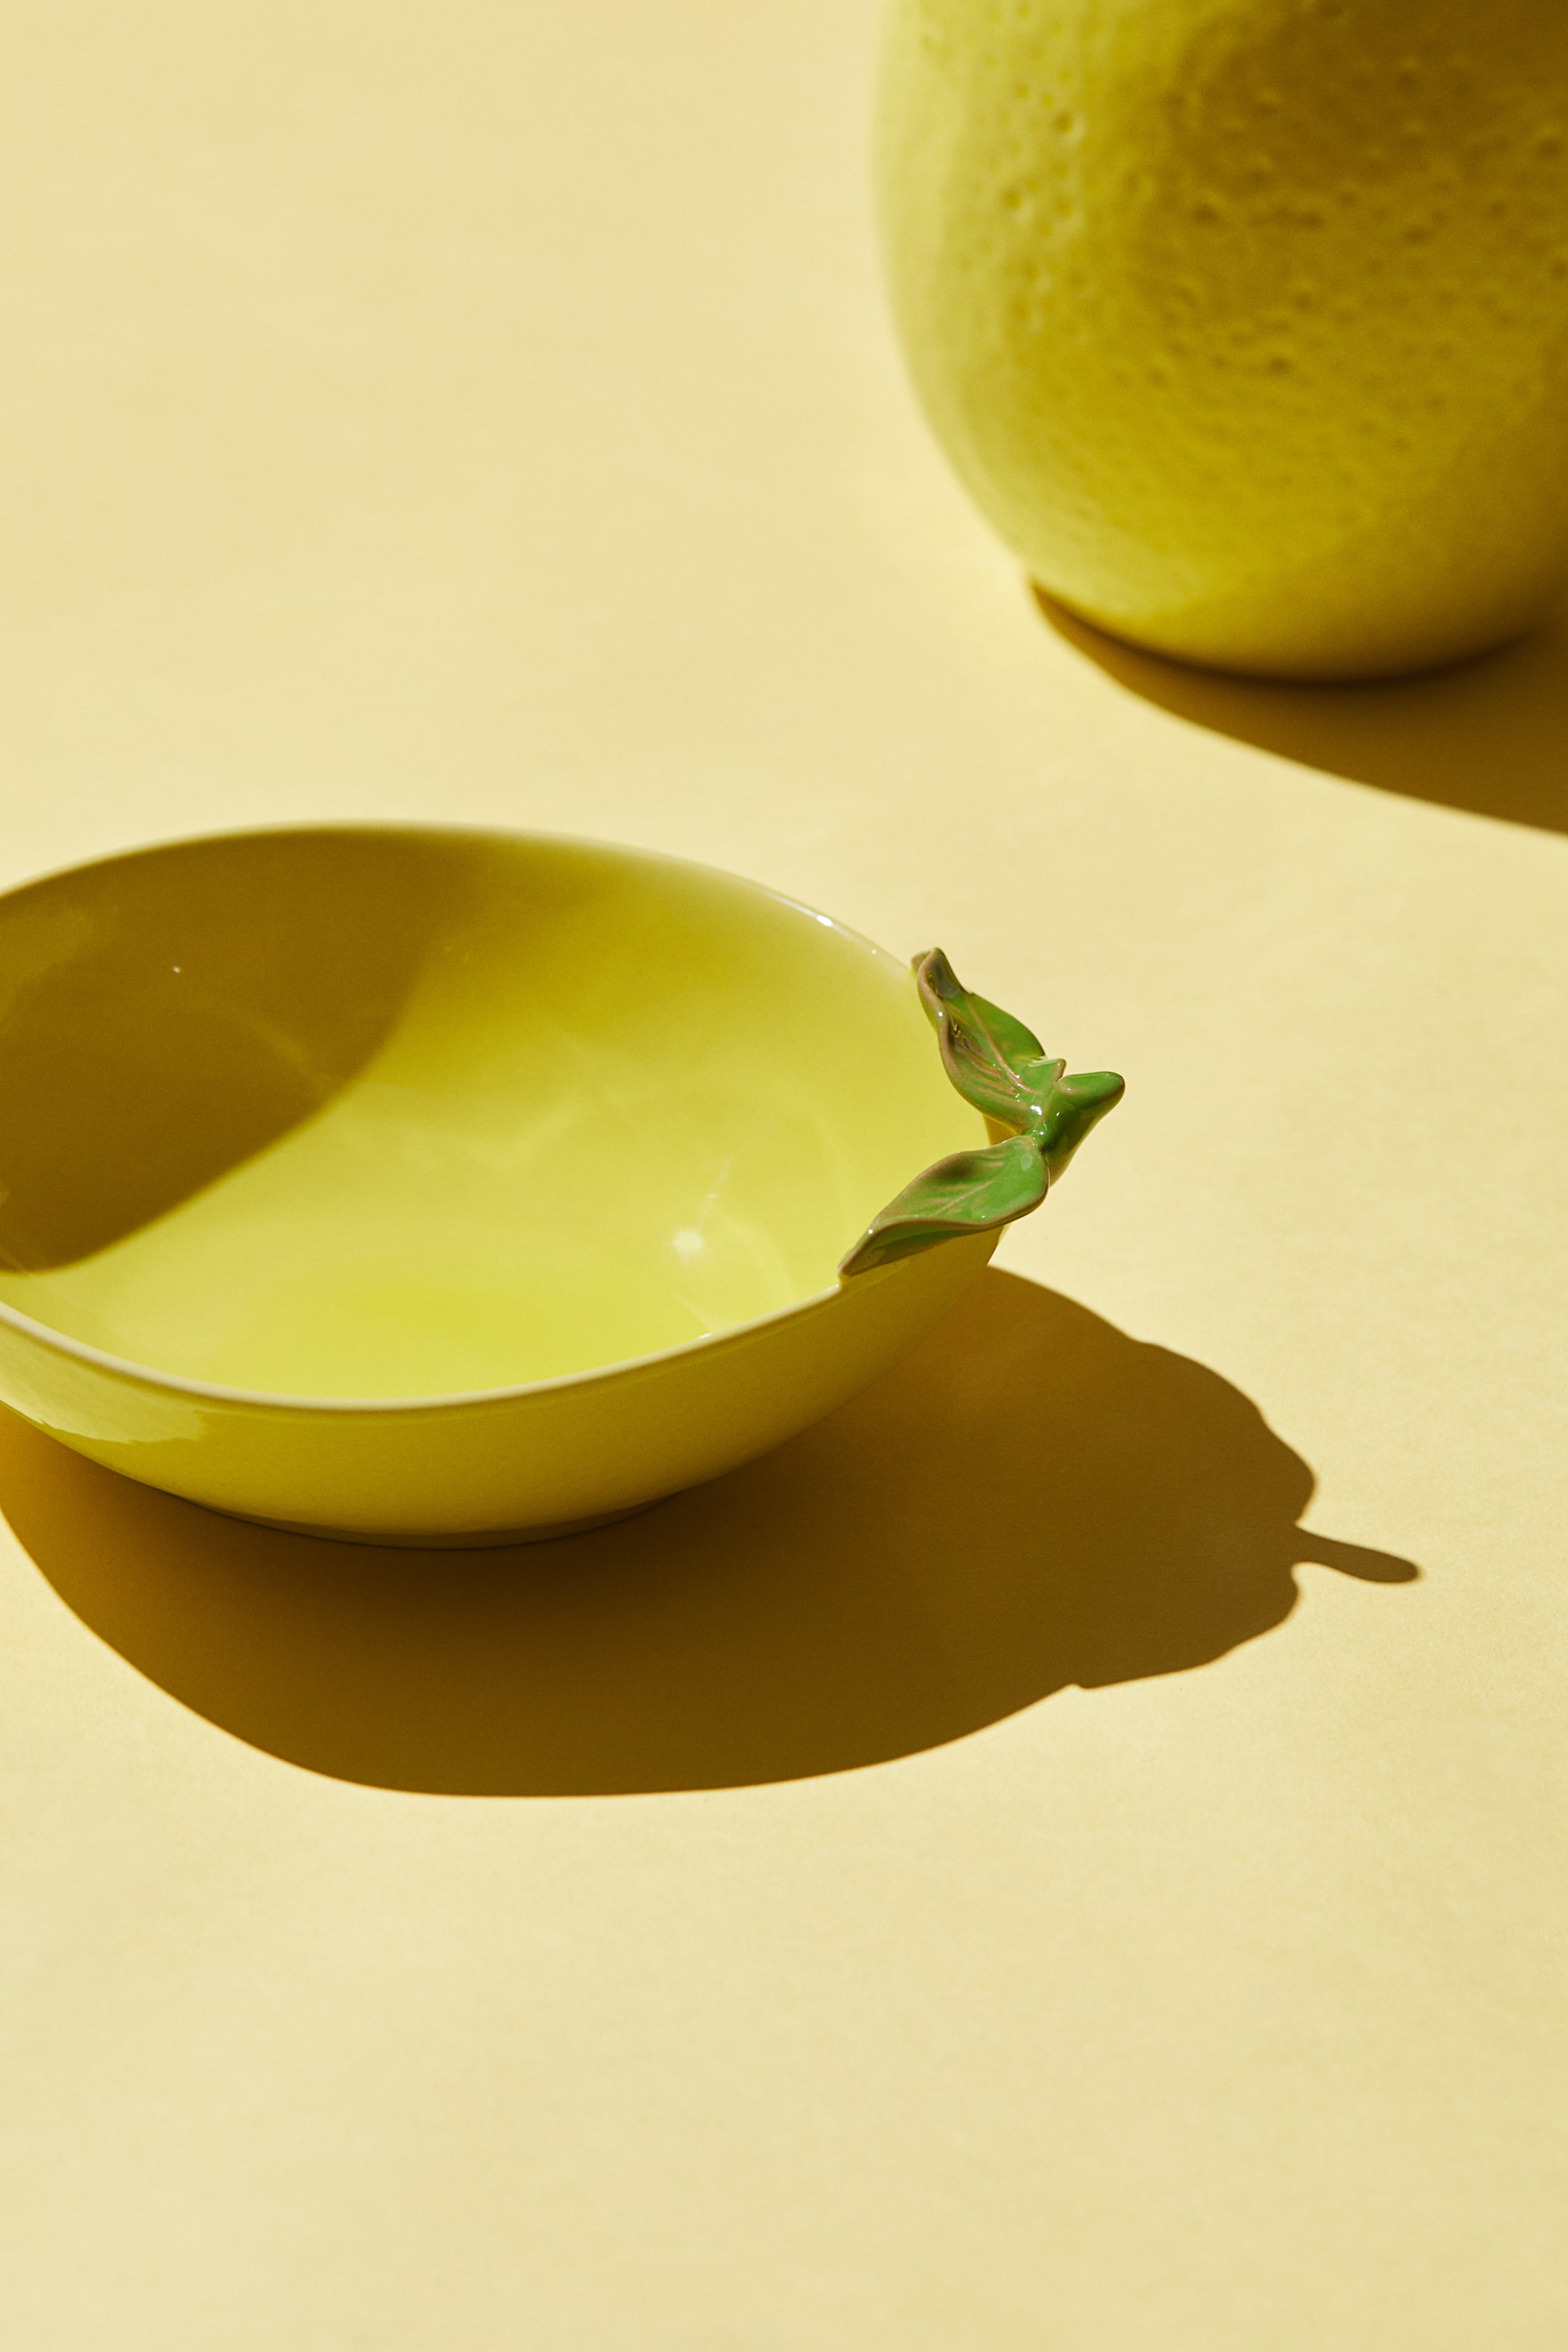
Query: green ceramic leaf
942 991
971 1192
1075 1106
995 1063
1001 1067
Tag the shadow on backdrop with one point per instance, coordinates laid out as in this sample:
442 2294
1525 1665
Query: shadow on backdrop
1490 736
1031 1500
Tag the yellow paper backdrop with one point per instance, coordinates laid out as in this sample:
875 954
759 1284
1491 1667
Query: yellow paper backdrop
933 1890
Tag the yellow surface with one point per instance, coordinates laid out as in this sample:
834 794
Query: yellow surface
1245 320
491 415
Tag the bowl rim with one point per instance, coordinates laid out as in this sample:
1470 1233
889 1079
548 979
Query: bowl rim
127 1368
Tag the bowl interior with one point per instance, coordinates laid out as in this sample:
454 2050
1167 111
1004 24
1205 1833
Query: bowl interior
396 1113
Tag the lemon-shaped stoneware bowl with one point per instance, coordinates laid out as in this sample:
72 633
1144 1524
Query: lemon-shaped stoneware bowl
435 1186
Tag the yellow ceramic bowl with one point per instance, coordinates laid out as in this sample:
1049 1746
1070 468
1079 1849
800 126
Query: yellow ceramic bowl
431 1186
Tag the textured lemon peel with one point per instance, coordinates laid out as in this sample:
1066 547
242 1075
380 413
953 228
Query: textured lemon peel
1245 322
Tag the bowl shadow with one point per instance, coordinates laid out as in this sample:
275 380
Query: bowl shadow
1488 736
1031 1500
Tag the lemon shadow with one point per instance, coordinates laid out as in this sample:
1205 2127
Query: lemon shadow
1031 1500
1488 736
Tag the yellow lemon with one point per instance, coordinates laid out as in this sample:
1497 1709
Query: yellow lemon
1245 322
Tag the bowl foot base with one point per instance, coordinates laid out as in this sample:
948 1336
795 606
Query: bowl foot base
466 1540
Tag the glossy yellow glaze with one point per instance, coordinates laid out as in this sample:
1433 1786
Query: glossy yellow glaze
420 1183
1245 322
